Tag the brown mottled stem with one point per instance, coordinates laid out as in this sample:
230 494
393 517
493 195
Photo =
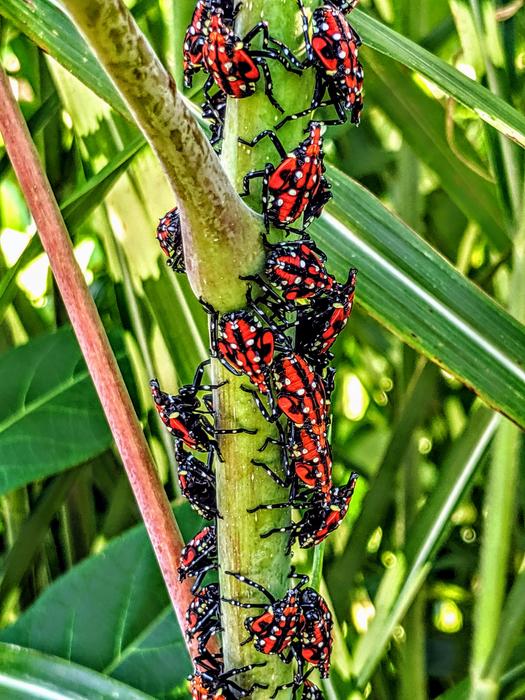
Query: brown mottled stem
218 229
136 457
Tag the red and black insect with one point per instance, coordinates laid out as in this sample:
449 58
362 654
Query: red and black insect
203 616
185 417
195 37
300 392
297 185
332 48
233 65
307 461
210 682
199 556
321 515
314 645
274 630
242 345
197 482
297 270
319 325
169 237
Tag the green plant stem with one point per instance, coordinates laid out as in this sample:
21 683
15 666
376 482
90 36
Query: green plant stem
499 521
241 485
217 226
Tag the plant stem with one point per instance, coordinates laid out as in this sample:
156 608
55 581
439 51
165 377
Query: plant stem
240 485
154 506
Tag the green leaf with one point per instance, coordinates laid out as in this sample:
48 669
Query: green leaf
489 107
415 292
29 674
50 415
111 613
408 105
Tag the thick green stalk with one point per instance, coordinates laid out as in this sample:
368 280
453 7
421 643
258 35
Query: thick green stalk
241 485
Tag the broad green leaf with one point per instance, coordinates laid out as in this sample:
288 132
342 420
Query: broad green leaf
431 528
111 613
50 415
491 108
415 292
51 30
408 105
29 674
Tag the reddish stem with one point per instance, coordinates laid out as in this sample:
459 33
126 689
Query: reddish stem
133 448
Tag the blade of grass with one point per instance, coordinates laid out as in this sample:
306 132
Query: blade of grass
33 532
500 505
427 534
407 104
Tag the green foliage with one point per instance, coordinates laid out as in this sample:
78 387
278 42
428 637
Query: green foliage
50 416
427 197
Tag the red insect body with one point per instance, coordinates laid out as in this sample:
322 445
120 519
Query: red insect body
194 42
246 347
297 179
319 326
227 60
300 392
297 269
315 638
199 556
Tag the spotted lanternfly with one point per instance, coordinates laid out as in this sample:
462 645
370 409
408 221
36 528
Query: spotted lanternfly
297 270
209 681
321 516
296 185
186 418
332 47
242 345
318 327
307 462
197 482
203 616
233 65
199 556
314 645
300 392
169 237
195 37
279 624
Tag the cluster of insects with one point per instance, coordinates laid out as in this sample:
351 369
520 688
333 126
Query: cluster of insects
280 342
